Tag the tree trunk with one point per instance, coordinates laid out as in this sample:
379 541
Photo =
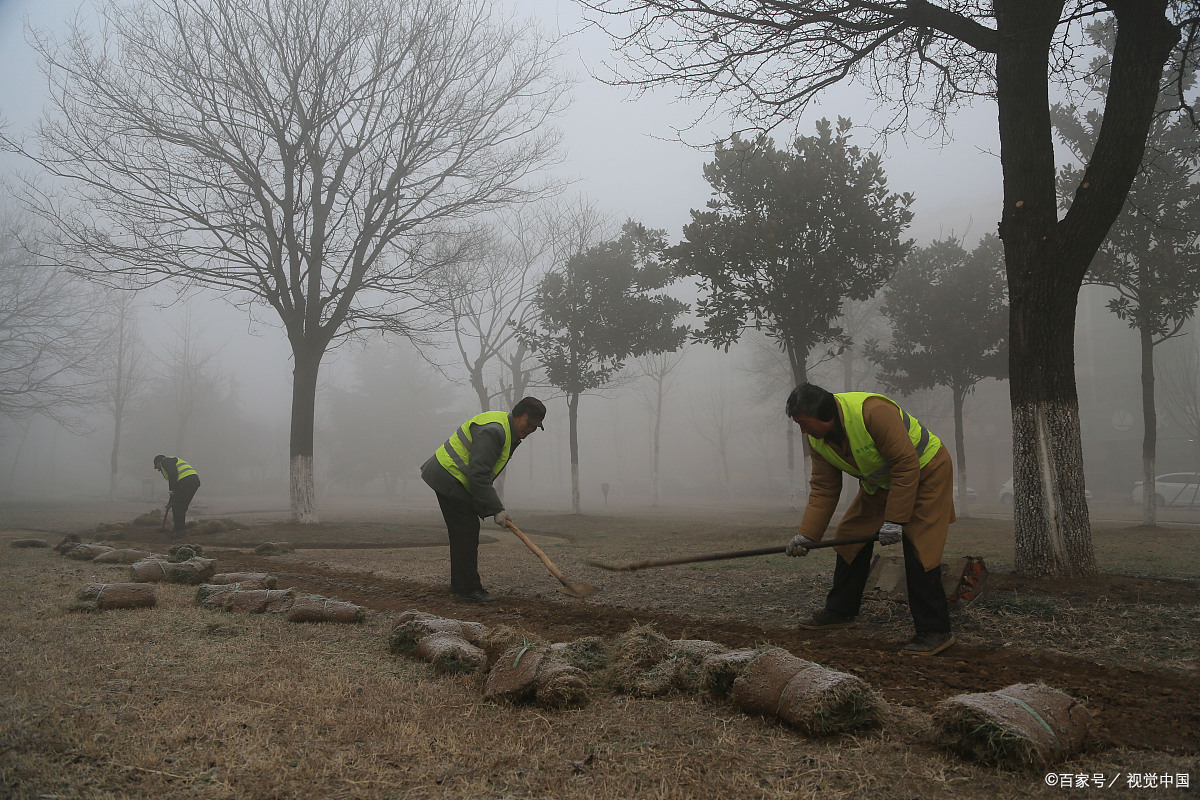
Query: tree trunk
1149 429
799 364
960 453
658 404
112 456
573 424
304 408
1046 259
12 470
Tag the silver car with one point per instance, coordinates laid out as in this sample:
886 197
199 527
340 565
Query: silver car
1171 489
1006 493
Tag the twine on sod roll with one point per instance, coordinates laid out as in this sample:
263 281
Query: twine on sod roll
1022 726
106 596
811 698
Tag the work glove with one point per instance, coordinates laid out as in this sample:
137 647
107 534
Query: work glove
798 546
502 518
890 533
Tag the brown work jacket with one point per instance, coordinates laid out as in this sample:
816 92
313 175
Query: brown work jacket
921 499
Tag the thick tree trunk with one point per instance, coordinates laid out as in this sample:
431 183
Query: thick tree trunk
960 453
304 407
1149 428
1046 259
573 424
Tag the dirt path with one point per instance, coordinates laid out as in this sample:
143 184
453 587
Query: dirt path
1155 710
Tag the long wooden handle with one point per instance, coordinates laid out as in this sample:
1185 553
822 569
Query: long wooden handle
761 551
538 552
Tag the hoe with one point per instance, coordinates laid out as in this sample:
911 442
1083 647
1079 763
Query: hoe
761 551
579 590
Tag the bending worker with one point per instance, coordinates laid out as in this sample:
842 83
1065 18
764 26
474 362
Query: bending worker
461 473
182 483
906 490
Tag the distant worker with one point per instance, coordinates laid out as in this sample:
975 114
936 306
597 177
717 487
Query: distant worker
906 490
461 473
182 483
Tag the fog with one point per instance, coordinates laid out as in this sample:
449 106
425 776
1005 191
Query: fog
621 154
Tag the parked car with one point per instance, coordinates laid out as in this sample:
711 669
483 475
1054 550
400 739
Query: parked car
1006 493
1171 489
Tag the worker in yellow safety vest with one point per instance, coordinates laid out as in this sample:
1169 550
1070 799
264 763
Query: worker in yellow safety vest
905 494
461 472
182 483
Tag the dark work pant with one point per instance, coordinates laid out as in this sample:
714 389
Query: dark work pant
185 490
926 597
462 525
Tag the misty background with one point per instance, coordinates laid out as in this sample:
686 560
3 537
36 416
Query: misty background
384 404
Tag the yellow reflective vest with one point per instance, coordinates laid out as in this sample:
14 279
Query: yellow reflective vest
455 454
870 467
182 468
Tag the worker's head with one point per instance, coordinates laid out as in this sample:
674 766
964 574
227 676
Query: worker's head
158 461
527 416
812 408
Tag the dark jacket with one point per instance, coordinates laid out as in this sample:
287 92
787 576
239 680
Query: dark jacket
487 442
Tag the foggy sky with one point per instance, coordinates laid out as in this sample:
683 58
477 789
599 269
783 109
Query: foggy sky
620 154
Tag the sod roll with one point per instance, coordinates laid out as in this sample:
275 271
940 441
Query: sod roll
413 627
514 675
262 579
255 601
1023 726
811 698
274 548
28 543
588 653
450 653
718 672
106 596
560 685
69 542
194 571
86 552
184 552
123 556
634 653
320 609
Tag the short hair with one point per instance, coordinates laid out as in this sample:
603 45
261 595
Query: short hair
531 406
158 460
811 400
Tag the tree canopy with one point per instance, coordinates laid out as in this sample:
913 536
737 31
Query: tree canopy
602 307
949 315
788 236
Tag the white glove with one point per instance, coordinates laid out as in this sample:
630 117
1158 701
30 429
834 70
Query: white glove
890 533
502 518
798 546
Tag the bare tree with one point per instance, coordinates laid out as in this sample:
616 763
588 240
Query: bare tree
490 297
123 372
49 323
191 376
713 416
656 374
318 157
768 61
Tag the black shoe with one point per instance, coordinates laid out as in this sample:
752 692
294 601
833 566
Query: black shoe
929 644
827 620
477 596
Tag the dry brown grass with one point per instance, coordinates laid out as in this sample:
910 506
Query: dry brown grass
183 702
